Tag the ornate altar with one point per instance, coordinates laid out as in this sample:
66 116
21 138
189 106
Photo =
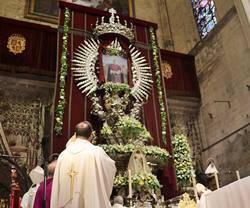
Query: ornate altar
112 81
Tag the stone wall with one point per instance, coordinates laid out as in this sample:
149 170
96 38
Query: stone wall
155 11
15 9
223 69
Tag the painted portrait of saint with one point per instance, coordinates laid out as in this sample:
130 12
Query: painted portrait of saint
115 69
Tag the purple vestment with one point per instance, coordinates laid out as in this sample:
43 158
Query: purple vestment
39 194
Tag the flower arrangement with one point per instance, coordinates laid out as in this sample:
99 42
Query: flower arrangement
120 181
132 130
140 182
63 73
182 160
145 181
106 130
155 152
116 88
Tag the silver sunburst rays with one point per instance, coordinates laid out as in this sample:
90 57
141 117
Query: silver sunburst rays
142 79
84 66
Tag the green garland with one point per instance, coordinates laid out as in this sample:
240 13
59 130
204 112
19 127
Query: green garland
116 88
63 73
182 160
154 46
159 154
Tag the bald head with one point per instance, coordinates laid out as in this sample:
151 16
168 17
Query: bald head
118 200
51 168
84 129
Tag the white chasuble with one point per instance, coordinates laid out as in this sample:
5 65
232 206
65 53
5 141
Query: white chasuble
83 177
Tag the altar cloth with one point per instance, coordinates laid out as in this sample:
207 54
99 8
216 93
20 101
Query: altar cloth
234 195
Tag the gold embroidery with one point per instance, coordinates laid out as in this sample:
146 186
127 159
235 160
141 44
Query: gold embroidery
166 70
72 173
16 43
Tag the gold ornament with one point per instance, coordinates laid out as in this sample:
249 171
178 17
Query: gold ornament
166 70
16 43
186 202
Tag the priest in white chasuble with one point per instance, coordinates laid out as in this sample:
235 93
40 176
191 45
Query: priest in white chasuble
84 174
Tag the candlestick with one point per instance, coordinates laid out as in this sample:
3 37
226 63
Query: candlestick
129 184
216 180
194 186
238 174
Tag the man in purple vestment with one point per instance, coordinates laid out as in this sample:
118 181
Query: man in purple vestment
39 194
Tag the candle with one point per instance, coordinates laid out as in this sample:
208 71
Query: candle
194 186
216 180
162 199
129 184
238 174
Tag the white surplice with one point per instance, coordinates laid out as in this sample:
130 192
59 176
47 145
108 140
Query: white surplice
83 177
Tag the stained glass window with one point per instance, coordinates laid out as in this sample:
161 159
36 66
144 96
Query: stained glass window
204 12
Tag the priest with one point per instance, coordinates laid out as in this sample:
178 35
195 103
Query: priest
84 174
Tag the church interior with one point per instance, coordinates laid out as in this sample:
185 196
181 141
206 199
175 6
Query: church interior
164 83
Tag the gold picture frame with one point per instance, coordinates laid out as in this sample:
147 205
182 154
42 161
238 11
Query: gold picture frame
42 10
47 10
124 7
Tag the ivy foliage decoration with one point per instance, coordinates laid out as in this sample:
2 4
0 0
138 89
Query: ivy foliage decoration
182 160
153 152
116 88
163 114
62 75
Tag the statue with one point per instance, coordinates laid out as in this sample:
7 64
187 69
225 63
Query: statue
138 163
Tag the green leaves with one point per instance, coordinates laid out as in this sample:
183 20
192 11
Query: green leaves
63 74
154 47
182 160
140 182
157 153
133 130
116 88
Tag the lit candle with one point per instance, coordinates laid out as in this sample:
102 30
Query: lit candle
129 184
238 174
217 180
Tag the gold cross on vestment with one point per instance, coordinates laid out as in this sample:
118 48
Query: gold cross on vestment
72 173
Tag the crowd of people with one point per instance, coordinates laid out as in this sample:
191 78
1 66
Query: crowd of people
81 177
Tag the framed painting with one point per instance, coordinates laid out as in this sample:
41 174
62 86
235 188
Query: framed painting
45 10
124 7
115 68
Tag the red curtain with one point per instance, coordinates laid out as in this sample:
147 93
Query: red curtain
39 56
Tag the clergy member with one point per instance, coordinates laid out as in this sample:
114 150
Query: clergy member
40 191
36 176
84 174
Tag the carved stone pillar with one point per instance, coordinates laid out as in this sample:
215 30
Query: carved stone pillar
184 120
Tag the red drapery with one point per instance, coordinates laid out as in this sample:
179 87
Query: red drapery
39 56
78 105
184 79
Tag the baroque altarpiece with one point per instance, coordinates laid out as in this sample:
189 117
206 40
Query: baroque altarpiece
114 80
